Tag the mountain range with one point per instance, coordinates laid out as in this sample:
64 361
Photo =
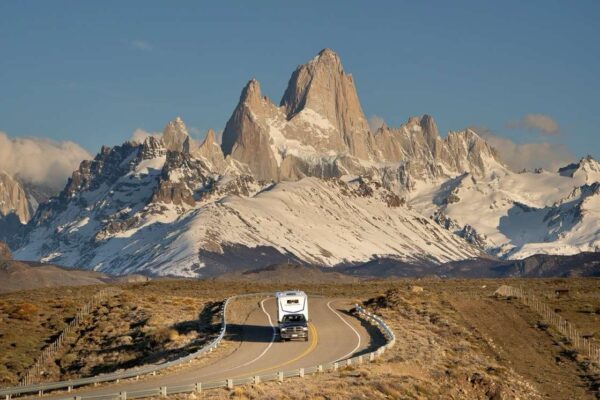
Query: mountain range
304 181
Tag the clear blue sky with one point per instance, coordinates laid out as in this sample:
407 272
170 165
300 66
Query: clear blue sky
93 72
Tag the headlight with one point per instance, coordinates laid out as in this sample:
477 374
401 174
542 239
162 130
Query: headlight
304 328
283 329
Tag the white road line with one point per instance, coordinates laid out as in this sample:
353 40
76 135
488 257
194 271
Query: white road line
262 307
349 326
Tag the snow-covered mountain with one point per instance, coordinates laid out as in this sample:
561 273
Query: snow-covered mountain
306 180
515 215
144 208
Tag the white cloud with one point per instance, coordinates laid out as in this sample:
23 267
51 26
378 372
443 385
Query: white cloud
40 161
375 122
549 156
540 123
139 135
141 45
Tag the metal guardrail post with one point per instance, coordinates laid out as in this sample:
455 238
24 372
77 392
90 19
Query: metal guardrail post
301 372
122 395
280 376
229 383
163 391
198 387
256 380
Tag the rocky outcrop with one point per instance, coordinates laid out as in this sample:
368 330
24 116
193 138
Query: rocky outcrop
211 152
323 87
182 180
13 199
247 136
175 136
320 130
5 253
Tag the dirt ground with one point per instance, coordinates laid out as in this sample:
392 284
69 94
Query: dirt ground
516 338
454 340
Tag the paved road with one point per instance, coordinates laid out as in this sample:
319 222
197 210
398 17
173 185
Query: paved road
334 335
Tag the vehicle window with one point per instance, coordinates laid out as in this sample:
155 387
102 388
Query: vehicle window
296 301
293 318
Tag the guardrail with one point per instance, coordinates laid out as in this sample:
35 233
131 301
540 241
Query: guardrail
200 386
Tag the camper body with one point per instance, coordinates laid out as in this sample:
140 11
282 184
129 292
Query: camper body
292 315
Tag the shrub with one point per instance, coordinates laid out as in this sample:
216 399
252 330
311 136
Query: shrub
26 311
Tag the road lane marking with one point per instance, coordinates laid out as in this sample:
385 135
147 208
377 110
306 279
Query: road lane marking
313 344
262 307
350 326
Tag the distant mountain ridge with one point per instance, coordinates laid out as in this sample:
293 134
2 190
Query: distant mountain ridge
307 181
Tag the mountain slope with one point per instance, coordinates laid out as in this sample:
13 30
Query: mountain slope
142 208
515 215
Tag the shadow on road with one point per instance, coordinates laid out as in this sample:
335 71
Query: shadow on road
249 333
376 338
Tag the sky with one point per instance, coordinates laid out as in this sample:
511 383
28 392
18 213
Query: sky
522 73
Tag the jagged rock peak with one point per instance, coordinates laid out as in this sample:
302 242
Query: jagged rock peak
210 138
175 135
13 199
430 129
328 57
251 92
322 86
211 151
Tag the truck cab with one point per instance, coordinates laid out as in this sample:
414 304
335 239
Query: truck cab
292 315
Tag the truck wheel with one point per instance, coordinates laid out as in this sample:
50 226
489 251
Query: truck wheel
306 339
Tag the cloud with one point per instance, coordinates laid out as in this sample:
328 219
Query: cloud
40 161
549 156
540 123
141 45
375 122
139 135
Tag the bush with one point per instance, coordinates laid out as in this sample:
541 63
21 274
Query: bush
25 311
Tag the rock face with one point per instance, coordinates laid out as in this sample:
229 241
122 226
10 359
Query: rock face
317 126
211 152
175 136
322 87
320 130
13 199
5 253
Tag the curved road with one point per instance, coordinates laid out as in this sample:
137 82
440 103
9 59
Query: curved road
334 335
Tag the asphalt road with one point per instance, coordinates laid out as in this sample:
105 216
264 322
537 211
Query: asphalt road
333 335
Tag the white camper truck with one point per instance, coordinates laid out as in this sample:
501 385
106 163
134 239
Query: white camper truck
292 315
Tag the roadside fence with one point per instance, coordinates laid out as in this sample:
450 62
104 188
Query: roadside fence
33 373
580 342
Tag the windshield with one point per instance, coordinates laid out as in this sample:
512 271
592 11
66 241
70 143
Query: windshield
293 318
